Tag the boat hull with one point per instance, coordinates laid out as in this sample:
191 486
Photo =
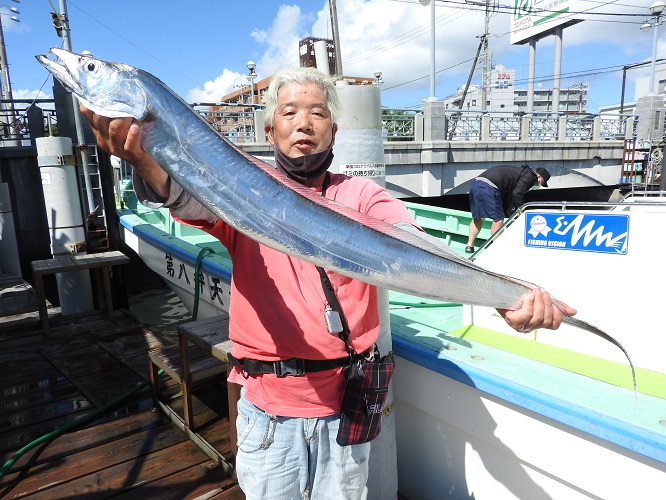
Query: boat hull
472 418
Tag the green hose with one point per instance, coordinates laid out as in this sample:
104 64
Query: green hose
100 411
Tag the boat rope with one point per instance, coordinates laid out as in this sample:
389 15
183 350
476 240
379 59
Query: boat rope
197 266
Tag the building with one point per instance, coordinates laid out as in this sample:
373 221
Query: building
234 114
306 53
502 95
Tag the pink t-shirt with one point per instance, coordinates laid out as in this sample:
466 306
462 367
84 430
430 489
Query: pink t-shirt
277 309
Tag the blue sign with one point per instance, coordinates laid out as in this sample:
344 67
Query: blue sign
578 231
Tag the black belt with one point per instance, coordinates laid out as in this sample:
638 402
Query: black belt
292 366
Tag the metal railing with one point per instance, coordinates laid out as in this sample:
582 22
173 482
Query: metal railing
236 122
241 122
18 115
398 124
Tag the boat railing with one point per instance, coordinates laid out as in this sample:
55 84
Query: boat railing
646 195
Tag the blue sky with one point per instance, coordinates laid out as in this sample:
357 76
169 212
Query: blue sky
200 48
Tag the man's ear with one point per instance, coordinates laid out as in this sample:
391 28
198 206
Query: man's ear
335 130
269 134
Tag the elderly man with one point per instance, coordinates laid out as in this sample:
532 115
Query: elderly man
287 425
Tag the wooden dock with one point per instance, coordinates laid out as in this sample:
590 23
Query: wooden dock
130 451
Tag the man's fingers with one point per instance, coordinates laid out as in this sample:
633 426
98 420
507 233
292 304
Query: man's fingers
133 141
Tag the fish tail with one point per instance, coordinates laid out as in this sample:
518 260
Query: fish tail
583 325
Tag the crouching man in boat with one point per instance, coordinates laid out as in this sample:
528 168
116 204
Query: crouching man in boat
498 192
287 425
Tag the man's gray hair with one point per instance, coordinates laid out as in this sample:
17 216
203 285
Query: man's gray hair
301 75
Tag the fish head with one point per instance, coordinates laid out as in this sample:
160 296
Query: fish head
108 89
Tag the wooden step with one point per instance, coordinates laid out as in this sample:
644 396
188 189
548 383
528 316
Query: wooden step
202 365
16 296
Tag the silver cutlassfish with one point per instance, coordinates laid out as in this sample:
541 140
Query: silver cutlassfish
257 200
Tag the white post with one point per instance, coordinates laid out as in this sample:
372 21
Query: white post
359 150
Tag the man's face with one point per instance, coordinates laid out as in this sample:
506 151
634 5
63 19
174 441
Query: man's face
302 123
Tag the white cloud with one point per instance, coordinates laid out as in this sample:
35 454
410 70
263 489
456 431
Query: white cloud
281 40
394 37
213 90
30 94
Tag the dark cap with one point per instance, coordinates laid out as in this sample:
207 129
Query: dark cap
543 173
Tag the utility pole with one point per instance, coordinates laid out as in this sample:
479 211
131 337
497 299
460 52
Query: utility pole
80 146
484 82
9 118
336 38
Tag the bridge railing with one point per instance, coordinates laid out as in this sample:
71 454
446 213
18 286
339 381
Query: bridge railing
511 126
244 123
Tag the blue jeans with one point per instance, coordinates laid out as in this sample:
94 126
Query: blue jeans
281 458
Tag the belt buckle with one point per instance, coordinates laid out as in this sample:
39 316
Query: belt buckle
291 366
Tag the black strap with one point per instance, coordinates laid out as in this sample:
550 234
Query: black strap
329 291
292 366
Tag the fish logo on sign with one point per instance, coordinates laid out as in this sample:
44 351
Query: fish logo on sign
581 232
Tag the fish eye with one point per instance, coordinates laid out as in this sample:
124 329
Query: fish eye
89 65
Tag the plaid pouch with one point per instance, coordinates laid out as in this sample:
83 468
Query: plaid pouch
363 402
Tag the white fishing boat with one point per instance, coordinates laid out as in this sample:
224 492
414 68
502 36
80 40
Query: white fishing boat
482 411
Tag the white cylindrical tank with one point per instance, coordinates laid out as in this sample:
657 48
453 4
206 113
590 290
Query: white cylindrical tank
321 57
66 225
9 254
359 151
359 146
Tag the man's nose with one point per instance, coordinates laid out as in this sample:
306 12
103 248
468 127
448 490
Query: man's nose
304 121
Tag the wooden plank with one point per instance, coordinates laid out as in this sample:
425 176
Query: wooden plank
210 481
202 365
86 462
44 412
65 263
15 438
211 333
128 475
25 401
89 437
42 381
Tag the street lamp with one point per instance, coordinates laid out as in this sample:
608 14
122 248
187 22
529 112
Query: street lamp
251 76
656 10
425 3
378 78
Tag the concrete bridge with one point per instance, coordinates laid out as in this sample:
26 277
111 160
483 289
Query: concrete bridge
438 150
431 151
432 168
